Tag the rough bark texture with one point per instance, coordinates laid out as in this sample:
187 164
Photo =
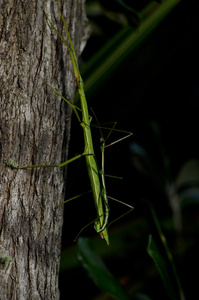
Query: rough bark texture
34 129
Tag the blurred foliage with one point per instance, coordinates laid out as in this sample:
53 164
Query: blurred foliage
98 272
139 68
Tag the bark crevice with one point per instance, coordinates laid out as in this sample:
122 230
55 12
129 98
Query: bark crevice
34 129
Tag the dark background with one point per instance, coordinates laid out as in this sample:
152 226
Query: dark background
153 93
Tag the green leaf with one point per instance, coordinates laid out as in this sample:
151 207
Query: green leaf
164 263
161 265
98 271
118 49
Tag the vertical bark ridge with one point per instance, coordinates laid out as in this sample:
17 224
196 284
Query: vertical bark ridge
34 129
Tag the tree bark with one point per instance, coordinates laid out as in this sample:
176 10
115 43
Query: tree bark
34 129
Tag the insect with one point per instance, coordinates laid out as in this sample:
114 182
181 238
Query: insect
96 176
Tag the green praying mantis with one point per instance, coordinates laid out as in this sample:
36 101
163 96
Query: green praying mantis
96 176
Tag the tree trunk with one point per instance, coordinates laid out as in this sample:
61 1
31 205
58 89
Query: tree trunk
34 129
